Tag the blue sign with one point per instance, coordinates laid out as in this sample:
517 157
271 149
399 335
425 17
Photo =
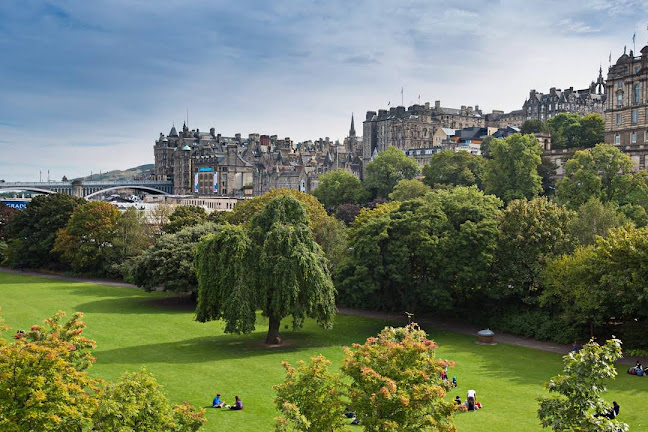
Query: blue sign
205 170
20 205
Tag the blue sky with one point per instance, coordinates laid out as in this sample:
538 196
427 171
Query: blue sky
89 85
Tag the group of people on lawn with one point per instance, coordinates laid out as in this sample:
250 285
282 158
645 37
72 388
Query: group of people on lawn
218 403
638 370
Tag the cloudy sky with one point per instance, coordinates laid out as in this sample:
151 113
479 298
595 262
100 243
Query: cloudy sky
88 85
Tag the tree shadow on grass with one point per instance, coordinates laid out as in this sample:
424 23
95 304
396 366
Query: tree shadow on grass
140 303
230 346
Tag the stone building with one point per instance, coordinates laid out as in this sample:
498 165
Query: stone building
210 165
541 106
414 127
626 113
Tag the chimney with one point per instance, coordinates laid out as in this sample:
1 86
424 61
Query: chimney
437 104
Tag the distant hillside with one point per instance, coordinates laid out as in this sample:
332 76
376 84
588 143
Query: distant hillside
140 172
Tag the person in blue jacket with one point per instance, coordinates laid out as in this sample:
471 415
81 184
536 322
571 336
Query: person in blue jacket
218 403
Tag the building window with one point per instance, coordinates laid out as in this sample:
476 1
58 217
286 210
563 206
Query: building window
633 138
617 139
637 93
635 116
646 138
618 119
619 100
620 85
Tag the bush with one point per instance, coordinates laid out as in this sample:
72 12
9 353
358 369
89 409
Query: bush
537 324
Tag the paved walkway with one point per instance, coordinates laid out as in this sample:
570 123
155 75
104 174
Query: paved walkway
451 326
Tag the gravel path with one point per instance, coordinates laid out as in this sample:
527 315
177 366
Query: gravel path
451 326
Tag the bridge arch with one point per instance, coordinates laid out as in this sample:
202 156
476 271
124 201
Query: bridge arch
25 188
142 188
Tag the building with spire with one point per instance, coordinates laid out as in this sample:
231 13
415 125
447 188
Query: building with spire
543 106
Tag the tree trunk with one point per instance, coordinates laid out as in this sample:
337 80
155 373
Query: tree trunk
273 331
591 329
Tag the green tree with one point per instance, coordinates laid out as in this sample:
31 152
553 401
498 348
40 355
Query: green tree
565 130
170 262
339 187
275 265
137 403
396 383
387 169
347 213
408 189
184 216
324 227
33 231
311 398
484 147
593 173
607 279
427 253
592 129
43 382
454 169
86 242
531 232
512 171
575 398
533 126
6 214
594 219
133 235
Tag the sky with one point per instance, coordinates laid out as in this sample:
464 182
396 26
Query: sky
87 86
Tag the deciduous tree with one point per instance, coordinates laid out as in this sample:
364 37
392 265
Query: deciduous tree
184 216
170 262
396 383
33 231
530 233
137 403
387 169
86 242
339 187
575 398
275 266
512 171
311 399
454 169
408 189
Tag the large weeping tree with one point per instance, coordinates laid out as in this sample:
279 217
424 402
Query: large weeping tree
274 265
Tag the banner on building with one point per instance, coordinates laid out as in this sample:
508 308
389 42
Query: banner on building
196 183
215 182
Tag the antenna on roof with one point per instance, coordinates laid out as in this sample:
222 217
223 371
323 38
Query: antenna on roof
187 116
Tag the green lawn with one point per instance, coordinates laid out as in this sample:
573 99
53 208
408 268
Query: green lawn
194 361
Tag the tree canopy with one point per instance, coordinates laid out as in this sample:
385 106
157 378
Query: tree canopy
408 189
387 169
33 231
184 216
569 130
274 265
575 402
454 168
512 171
86 241
593 173
170 262
339 187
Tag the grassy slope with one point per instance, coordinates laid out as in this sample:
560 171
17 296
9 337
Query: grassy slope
194 360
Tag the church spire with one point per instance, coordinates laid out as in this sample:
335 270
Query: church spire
352 131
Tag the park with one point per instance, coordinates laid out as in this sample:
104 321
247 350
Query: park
194 361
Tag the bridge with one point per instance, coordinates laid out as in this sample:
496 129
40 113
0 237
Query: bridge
88 189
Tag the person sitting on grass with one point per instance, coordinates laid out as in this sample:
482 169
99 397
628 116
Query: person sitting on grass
238 404
217 402
457 400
